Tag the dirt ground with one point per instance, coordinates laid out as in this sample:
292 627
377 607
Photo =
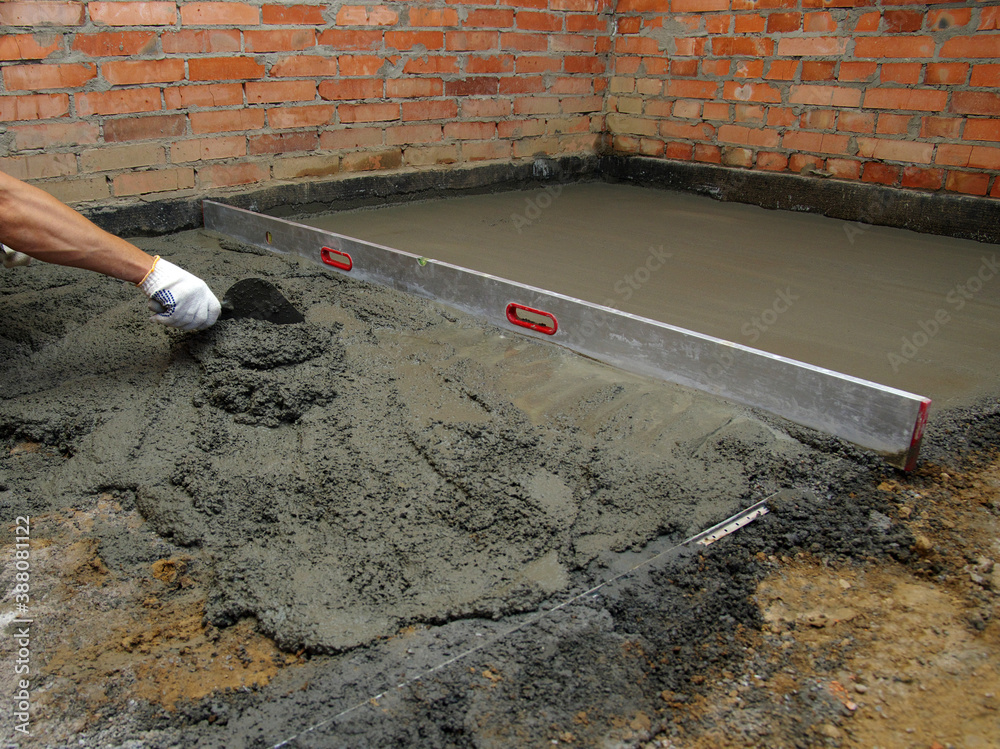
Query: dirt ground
228 537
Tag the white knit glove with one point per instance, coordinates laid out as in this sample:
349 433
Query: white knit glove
179 299
13 258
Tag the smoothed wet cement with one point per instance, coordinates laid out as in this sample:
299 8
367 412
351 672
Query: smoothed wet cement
912 311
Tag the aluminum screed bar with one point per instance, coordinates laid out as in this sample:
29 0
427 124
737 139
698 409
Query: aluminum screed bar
882 419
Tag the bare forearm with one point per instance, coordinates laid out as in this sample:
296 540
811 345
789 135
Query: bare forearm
35 223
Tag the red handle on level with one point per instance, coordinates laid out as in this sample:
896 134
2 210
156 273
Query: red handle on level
512 309
336 258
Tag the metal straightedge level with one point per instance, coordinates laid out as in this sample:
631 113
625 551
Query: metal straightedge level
885 420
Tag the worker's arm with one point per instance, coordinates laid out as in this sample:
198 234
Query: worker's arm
39 225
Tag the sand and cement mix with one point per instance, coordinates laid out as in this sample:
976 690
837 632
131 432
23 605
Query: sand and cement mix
391 466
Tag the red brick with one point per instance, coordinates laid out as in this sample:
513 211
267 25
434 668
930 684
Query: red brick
685 68
995 192
750 136
470 130
742 46
737 157
922 178
747 113
771 161
690 6
815 46
818 119
127 72
351 88
312 115
941 127
782 70
463 41
822 21
883 174
868 22
475 64
219 14
676 150
584 65
157 180
939 20
836 96
439 64
716 67
226 120
480 86
906 99
797 140
279 40
571 104
523 85
640 45
586 23
989 18
818 70
531 21
718 23
857 71
306 66
433 17
442 110
883 149
967 47
901 72
199 41
207 149
893 124
351 138
282 143
754 23
228 175
948 73
707 153
894 46
364 15
341 40
133 13
985 76
40 77
209 95
969 183
629 25
975 102
413 87
782 22
985 157
490 19
224 69
301 15
856 122
524 42
390 158
41 13
54 134
692 89
844 168
407 40
272 92
28 46
118 101
896 21
953 154
982 130
777 116
153 127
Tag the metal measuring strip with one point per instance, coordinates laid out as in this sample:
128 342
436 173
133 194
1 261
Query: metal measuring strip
882 419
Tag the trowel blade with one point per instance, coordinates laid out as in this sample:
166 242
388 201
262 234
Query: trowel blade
260 300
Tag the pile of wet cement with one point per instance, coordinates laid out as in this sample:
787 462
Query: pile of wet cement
387 461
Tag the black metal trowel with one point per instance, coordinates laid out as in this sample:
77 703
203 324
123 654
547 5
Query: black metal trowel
260 300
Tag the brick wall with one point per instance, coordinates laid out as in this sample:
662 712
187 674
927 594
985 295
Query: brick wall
102 100
895 92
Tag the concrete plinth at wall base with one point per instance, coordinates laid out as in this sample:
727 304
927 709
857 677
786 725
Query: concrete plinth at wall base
945 214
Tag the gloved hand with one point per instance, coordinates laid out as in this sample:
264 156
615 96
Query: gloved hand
13 258
179 299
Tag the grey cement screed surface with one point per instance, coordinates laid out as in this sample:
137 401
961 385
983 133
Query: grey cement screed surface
912 311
